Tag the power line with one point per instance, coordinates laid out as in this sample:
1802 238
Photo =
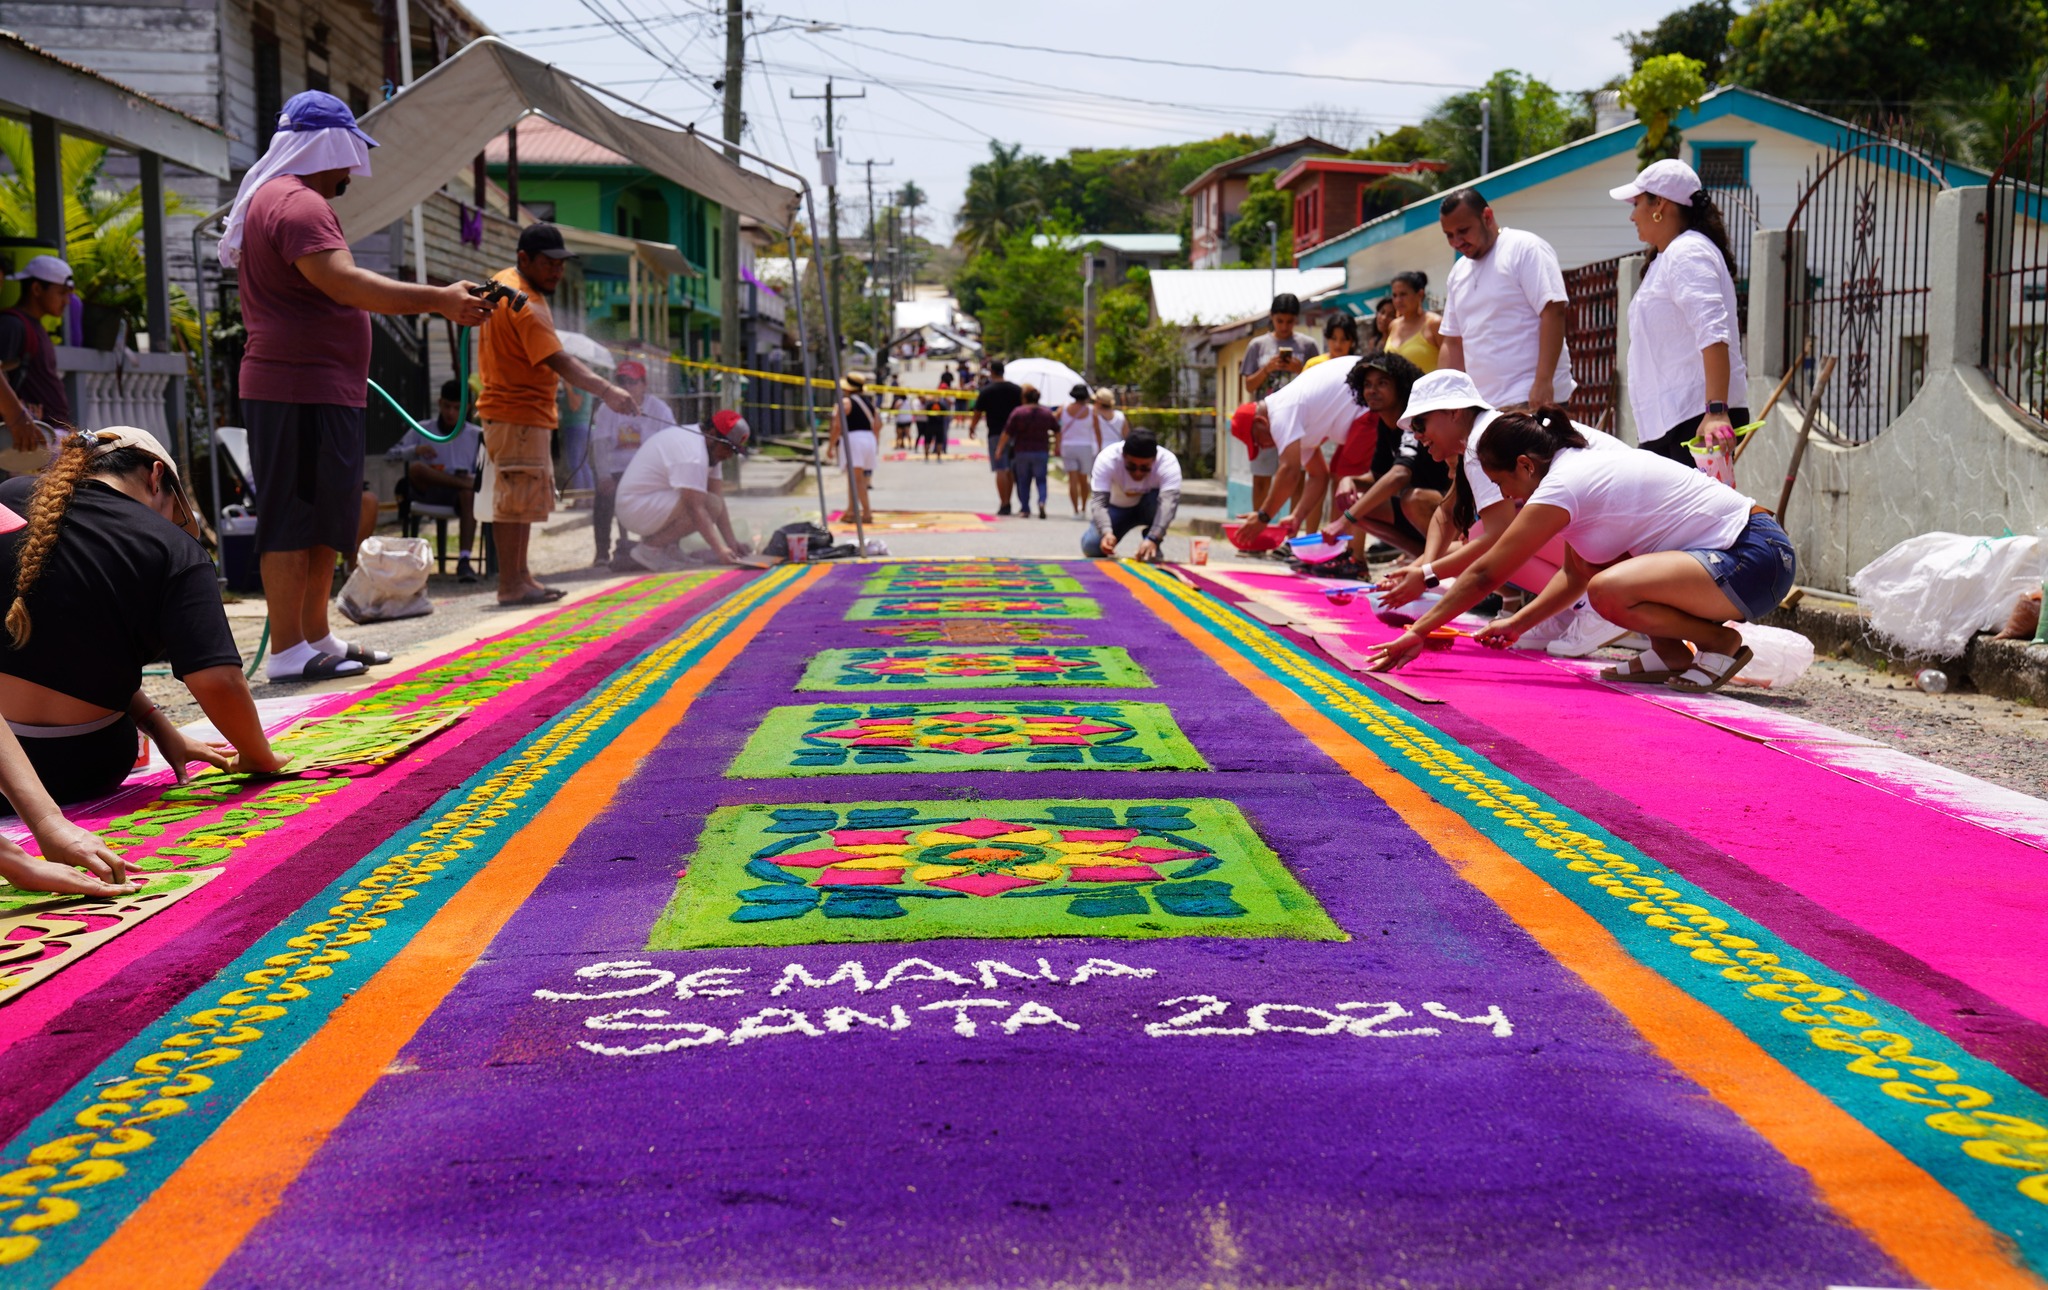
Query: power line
1161 62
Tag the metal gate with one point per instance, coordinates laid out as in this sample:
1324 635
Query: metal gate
1860 239
1590 338
2016 269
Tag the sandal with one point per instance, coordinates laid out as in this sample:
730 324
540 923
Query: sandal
366 656
1645 668
1713 671
531 598
325 667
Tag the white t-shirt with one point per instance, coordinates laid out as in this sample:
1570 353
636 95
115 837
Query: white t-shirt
1686 303
1484 491
1109 476
1637 503
673 460
614 438
1078 432
1494 305
1315 407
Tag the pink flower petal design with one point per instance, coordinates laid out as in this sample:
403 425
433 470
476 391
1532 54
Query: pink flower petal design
1153 855
870 837
1098 835
858 877
967 718
967 745
1058 739
982 827
983 884
1113 873
813 859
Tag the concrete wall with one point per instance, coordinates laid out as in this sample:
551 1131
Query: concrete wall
1959 459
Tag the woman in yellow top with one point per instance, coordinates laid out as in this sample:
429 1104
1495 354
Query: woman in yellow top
1340 339
1414 333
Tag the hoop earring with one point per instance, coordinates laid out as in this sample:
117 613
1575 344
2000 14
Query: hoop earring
1657 217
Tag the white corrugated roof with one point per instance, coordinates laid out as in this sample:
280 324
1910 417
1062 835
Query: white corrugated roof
1190 297
1128 243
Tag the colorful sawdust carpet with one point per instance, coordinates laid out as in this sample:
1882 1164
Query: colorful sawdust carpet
884 738
1012 584
975 631
960 668
899 871
871 607
970 569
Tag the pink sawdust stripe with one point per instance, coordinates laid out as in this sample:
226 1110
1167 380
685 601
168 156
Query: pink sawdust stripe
1963 900
38 1007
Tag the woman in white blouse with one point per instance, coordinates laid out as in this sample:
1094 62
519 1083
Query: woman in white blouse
1657 548
1685 352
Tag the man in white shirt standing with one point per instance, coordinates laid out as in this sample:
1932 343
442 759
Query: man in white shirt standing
1135 484
614 438
669 492
1315 408
1505 309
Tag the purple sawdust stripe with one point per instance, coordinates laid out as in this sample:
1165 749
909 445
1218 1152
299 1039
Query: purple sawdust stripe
41 1067
1559 1152
1984 1026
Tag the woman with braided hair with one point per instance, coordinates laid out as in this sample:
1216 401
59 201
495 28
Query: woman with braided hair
103 579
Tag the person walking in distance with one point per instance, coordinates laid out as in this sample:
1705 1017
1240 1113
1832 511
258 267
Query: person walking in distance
1079 440
993 405
305 370
855 421
936 416
1685 363
522 361
1027 441
1505 309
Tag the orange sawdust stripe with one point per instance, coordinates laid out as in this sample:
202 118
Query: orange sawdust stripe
1908 1214
187 1229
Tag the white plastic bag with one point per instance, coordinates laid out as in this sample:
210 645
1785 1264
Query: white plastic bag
1932 593
390 581
1781 657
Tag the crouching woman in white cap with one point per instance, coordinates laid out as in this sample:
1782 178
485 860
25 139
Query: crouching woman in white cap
105 578
1658 548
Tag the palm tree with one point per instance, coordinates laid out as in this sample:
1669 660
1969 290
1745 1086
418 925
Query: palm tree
1002 198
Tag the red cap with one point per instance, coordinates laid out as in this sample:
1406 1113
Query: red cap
632 370
1241 425
731 429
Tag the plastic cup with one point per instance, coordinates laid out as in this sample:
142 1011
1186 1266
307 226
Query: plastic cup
1198 550
799 548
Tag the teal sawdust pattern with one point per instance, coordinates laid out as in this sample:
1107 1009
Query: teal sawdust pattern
1976 1130
898 871
913 667
893 738
970 606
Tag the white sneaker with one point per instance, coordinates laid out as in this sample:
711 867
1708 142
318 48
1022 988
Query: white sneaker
1587 632
655 560
1540 636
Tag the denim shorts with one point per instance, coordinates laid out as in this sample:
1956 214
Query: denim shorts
1757 572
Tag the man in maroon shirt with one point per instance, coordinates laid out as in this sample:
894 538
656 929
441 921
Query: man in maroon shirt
307 309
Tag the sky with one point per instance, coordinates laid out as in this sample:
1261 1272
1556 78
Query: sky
934 101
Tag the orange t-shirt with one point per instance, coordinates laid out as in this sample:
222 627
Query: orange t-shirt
512 353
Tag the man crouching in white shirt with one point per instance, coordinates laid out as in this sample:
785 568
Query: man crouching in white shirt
669 492
1135 484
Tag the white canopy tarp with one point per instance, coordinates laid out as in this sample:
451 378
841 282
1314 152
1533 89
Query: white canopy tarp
435 127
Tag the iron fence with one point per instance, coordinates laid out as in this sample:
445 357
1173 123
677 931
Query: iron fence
1740 214
1590 338
2015 356
1859 244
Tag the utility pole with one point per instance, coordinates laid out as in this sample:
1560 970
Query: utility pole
878 331
1486 134
729 342
828 162
1272 258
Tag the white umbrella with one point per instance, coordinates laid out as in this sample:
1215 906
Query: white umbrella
585 350
1050 377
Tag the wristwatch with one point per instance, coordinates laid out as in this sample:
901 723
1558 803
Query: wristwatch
1429 578
1716 408
1263 517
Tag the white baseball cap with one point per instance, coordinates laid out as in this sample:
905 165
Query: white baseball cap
1670 179
1440 390
44 268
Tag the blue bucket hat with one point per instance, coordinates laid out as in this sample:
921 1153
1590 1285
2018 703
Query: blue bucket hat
319 110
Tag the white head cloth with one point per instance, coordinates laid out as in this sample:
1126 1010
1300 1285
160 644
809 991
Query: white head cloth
292 152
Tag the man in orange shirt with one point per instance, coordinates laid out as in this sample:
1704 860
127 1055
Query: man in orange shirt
520 358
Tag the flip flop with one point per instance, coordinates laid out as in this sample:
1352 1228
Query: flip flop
366 656
325 667
1704 666
1636 671
531 598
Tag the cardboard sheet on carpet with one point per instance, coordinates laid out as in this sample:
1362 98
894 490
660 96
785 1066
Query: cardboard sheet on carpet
41 935
938 668
967 606
894 738
898 871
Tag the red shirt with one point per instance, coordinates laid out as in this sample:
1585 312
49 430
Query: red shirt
303 347
1355 456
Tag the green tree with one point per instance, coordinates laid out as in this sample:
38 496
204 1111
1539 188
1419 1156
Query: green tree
1529 117
1699 31
1406 143
1263 202
1885 54
1662 88
1030 294
1002 197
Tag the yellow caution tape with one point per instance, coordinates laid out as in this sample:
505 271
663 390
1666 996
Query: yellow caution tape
787 378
